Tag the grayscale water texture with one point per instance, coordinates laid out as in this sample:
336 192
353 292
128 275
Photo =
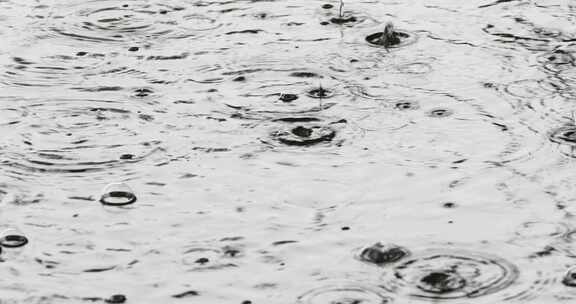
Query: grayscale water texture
287 151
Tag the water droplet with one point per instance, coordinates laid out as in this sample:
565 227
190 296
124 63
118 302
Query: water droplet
117 194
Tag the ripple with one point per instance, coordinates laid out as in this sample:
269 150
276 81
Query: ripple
403 38
531 88
557 60
112 21
345 294
117 194
519 31
542 229
443 275
62 69
78 136
340 15
435 128
356 59
570 278
565 137
304 135
381 254
206 258
281 93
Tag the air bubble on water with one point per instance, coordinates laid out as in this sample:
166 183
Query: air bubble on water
117 194
12 238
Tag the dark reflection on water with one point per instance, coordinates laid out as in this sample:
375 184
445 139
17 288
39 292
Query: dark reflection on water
287 151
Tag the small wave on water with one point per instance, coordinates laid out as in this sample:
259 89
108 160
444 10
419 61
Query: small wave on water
117 22
65 68
309 152
345 293
423 127
76 137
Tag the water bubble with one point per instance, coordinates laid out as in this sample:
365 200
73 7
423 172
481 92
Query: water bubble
117 194
13 238
116 299
380 254
288 97
531 88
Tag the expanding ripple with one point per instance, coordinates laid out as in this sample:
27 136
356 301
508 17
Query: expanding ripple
294 92
73 68
345 294
76 137
112 21
438 128
443 275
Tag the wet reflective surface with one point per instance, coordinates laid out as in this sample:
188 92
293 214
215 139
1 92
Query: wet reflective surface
287 151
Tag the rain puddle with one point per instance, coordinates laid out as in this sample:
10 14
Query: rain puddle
306 152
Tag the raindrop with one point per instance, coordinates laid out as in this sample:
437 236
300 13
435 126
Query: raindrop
117 194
